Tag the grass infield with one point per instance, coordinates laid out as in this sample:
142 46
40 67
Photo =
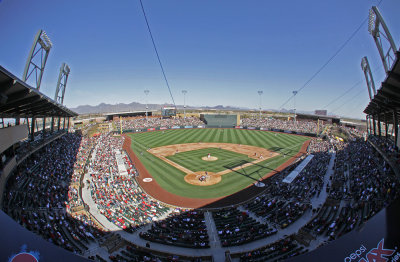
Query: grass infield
192 159
172 179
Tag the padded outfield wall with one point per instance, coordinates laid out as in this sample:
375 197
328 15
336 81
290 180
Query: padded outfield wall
220 120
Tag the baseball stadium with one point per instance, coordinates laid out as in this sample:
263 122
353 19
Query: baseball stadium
180 183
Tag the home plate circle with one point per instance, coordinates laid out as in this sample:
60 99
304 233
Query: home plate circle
147 179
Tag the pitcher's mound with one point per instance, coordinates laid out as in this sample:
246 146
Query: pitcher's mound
211 158
201 179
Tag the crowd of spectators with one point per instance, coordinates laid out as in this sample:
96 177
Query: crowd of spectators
237 227
387 146
301 126
45 190
281 249
24 147
361 186
38 194
117 195
187 229
284 203
143 123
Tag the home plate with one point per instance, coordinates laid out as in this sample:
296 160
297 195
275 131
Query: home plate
259 184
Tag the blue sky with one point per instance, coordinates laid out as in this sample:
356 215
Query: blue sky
221 52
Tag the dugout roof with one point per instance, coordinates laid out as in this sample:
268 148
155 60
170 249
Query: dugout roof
18 99
388 96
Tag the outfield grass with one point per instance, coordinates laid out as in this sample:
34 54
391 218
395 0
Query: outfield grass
192 159
172 179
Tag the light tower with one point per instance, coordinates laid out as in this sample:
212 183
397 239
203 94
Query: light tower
147 107
260 93
294 104
62 83
382 37
368 77
184 92
37 58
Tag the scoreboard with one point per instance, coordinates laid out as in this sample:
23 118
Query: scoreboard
168 111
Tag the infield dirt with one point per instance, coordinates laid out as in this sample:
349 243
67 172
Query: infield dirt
257 153
158 192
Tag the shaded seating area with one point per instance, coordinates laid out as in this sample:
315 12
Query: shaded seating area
38 194
236 227
279 250
187 229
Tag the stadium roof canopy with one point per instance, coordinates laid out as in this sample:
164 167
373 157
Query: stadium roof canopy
387 99
18 99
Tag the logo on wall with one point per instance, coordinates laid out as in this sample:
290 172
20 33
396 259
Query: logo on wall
25 256
378 254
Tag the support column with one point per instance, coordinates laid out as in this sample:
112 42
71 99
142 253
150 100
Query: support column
379 124
373 124
44 125
386 127
58 123
369 124
366 120
33 129
396 127
68 123
29 129
52 124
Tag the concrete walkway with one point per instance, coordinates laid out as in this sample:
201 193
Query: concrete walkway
93 210
320 200
212 231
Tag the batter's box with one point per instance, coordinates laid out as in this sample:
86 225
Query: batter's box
232 165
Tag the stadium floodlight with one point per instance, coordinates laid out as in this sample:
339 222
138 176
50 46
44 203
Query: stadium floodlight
260 93
62 83
368 77
382 37
371 21
294 104
184 92
147 106
37 58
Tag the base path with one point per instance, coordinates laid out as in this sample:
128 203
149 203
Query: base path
251 151
157 192
257 153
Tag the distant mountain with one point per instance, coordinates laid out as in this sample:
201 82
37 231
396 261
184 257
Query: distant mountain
135 106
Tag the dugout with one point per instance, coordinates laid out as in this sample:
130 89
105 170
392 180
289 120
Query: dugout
220 120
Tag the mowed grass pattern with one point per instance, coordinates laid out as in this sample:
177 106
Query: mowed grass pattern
172 179
192 159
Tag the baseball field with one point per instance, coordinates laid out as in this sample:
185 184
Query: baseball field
211 163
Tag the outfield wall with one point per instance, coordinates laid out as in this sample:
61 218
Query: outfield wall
236 127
